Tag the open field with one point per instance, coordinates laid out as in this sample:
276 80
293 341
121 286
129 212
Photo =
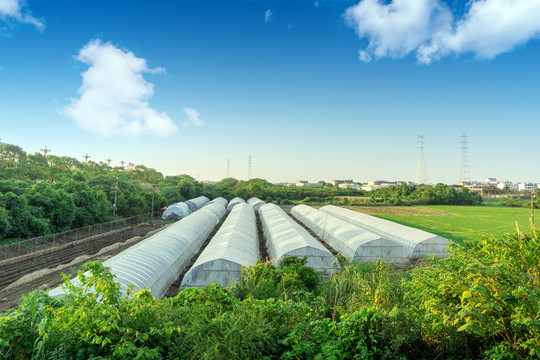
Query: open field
455 222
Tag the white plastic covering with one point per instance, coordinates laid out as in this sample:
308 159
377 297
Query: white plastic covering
351 241
256 203
285 237
234 202
197 203
234 246
176 211
218 200
419 244
157 261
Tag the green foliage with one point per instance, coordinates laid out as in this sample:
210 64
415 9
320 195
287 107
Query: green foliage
292 280
482 302
363 284
439 194
486 289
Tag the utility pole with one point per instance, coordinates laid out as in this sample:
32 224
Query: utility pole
532 206
86 157
115 194
46 151
152 212
228 169
250 161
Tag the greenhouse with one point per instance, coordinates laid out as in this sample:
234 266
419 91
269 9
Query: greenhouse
418 244
256 203
351 241
234 202
157 261
219 200
197 203
234 246
176 211
285 237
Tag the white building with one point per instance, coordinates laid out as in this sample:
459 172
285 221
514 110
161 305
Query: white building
349 186
525 186
306 183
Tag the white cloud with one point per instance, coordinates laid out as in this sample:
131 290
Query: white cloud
316 4
268 15
193 117
428 28
12 9
114 95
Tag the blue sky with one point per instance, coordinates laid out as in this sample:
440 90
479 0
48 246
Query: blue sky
311 90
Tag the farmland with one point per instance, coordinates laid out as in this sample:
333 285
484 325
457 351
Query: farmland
454 222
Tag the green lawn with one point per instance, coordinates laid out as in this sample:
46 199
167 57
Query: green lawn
456 222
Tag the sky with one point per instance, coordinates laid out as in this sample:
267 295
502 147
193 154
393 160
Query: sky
311 90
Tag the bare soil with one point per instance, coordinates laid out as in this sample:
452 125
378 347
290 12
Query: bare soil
10 297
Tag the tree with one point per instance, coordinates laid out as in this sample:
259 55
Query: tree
25 221
58 206
11 155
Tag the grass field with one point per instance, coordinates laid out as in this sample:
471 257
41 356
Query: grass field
455 222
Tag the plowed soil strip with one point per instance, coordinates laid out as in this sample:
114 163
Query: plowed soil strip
9 298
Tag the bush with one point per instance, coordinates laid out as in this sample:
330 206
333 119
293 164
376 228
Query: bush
488 290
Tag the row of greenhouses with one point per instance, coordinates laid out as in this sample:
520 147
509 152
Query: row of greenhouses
157 261
180 210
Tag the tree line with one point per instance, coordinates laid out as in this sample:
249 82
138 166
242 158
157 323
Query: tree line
41 194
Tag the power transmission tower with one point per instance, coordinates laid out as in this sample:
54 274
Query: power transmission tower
46 151
122 163
421 177
250 161
86 157
465 173
108 161
228 169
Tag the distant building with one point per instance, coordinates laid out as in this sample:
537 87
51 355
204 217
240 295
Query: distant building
338 182
379 184
486 192
349 186
525 186
306 183
507 184
490 181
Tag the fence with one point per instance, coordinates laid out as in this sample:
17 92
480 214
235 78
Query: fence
42 242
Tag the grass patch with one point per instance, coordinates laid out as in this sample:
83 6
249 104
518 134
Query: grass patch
455 222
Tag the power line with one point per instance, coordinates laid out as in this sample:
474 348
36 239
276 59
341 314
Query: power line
421 177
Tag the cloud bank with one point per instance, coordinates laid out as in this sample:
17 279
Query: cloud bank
12 10
429 29
114 95
193 116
